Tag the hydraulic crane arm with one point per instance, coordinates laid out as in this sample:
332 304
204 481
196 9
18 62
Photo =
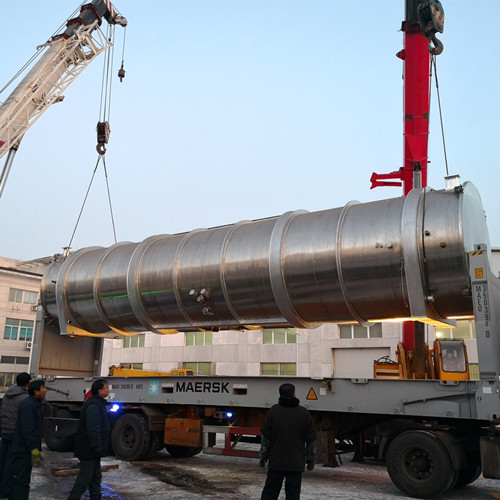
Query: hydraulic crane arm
62 59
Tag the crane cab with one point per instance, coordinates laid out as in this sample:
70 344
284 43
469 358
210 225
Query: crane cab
450 360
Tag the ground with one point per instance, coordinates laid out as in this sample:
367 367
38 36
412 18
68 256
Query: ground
213 476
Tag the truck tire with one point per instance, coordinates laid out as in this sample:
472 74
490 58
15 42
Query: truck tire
59 432
420 465
470 472
130 437
182 451
58 442
156 444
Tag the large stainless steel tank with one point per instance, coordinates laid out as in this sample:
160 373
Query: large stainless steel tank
397 258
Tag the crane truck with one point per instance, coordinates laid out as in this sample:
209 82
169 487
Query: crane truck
424 257
60 61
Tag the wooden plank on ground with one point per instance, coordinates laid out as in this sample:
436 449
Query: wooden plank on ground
73 471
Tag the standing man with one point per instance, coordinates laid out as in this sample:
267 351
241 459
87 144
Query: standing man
27 441
10 408
91 442
288 442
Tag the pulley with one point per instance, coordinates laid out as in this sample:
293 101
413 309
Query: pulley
431 18
103 132
121 73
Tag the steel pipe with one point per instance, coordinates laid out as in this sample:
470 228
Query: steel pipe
397 258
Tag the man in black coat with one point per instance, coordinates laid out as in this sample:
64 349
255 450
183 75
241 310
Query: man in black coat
288 442
10 409
27 440
91 442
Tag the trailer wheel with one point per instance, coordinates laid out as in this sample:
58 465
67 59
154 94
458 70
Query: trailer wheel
419 464
182 451
130 437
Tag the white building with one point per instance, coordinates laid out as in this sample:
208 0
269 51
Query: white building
19 292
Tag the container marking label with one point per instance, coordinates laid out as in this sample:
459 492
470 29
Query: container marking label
213 387
154 387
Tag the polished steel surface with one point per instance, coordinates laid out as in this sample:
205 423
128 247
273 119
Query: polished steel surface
396 258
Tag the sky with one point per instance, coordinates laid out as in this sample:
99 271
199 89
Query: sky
241 109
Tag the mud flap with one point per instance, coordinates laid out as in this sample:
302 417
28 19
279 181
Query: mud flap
490 456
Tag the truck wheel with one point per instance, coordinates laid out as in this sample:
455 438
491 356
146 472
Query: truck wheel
156 443
58 442
130 437
59 432
182 451
419 464
470 472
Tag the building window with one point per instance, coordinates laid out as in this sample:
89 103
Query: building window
279 336
134 341
132 366
357 331
466 329
7 380
18 329
15 360
199 368
22 296
283 369
199 338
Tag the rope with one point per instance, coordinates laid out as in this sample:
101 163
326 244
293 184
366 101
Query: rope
123 48
434 64
109 197
105 103
87 195
84 201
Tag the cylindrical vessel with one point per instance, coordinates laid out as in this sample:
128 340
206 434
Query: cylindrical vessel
397 258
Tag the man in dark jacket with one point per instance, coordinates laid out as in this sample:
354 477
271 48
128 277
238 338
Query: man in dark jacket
10 408
288 442
91 442
27 440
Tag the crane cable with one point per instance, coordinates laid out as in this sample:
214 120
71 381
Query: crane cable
103 124
434 65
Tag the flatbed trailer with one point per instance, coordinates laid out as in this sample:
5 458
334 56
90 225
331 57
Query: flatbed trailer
433 434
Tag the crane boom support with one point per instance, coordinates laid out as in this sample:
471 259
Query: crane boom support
45 83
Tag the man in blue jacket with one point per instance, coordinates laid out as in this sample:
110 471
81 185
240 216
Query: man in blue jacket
91 442
27 441
288 442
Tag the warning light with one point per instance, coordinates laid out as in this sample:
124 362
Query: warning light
115 407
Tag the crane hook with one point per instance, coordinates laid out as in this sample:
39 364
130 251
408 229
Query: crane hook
435 46
103 131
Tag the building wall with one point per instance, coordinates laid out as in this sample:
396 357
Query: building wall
15 353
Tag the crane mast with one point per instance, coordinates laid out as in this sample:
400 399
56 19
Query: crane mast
62 60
